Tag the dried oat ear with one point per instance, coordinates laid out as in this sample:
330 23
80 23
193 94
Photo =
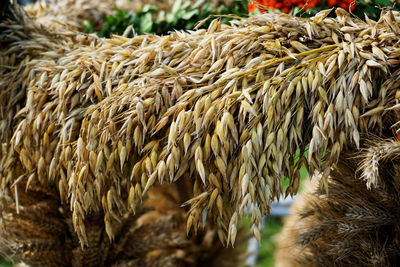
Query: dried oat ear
375 159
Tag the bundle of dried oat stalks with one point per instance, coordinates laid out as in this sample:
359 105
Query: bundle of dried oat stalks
96 123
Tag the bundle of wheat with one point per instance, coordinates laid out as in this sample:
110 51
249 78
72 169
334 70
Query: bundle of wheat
40 233
226 109
352 225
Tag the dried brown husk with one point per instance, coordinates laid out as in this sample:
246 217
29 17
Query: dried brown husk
231 109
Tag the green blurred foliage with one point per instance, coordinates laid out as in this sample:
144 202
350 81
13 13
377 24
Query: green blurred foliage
4 263
267 248
183 16
370 8
373 8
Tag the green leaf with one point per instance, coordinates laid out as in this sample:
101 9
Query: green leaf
185 5
161 16
383 3
198 3
176 6
190 25
170 18
149 9
223 10
88 26
190 14
297 11
146 24
362 2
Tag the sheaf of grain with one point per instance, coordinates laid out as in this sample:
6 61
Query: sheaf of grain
120 115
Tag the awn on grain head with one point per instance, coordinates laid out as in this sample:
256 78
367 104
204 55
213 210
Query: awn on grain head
353 225
225 108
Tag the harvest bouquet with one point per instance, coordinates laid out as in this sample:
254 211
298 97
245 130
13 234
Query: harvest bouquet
91 127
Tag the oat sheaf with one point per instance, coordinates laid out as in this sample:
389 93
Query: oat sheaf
227 108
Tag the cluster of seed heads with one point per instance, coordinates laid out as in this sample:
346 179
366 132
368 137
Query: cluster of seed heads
233 109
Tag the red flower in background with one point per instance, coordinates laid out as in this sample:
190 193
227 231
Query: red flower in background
286 5
252 6
345 4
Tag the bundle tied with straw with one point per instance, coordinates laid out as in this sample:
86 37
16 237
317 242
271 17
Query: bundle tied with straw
353 225
229 110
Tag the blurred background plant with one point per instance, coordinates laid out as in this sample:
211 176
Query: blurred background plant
308 8
184 15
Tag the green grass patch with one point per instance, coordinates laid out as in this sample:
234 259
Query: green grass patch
268 245
4 263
